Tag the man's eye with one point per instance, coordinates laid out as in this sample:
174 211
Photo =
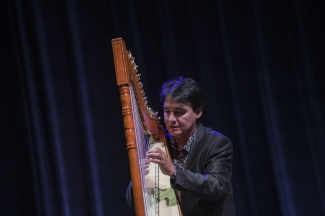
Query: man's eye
179 113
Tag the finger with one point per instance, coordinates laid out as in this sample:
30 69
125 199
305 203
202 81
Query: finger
153 154
155 150
144 162
156 161
161 163
155 157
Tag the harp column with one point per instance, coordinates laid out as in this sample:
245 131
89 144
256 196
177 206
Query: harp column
132 150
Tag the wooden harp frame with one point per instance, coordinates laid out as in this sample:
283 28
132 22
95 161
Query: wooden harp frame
126 72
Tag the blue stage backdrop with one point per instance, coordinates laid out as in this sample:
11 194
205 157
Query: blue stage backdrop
262 64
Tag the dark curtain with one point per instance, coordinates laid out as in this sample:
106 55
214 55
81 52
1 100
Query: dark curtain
261 63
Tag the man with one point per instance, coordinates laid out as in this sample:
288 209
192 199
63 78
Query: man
202 158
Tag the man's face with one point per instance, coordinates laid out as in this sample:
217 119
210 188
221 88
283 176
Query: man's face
180 119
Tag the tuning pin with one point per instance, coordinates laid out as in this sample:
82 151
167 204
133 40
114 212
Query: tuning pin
130 54
140 84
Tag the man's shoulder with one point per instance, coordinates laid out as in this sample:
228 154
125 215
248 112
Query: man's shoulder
208 133
214 141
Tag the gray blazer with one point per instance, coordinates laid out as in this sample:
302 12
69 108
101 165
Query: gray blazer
205 183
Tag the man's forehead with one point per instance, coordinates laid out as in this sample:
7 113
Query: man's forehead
176 105
170 101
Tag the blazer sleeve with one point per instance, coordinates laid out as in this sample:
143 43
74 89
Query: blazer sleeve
129 195
213 181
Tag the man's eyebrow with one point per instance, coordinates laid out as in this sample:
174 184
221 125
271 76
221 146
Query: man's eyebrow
177 108
180 109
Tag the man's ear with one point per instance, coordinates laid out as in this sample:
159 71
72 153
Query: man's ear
198 113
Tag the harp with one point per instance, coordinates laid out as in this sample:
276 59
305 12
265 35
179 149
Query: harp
152 193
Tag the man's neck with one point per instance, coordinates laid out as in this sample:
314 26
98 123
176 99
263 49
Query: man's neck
181 142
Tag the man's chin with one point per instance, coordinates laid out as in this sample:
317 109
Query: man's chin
176 134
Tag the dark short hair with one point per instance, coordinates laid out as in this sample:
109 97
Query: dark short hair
186 91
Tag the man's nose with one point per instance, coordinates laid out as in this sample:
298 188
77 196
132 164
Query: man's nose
171 117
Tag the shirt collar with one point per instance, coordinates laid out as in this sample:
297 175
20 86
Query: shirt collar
188 144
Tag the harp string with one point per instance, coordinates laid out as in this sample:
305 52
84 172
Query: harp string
142 140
